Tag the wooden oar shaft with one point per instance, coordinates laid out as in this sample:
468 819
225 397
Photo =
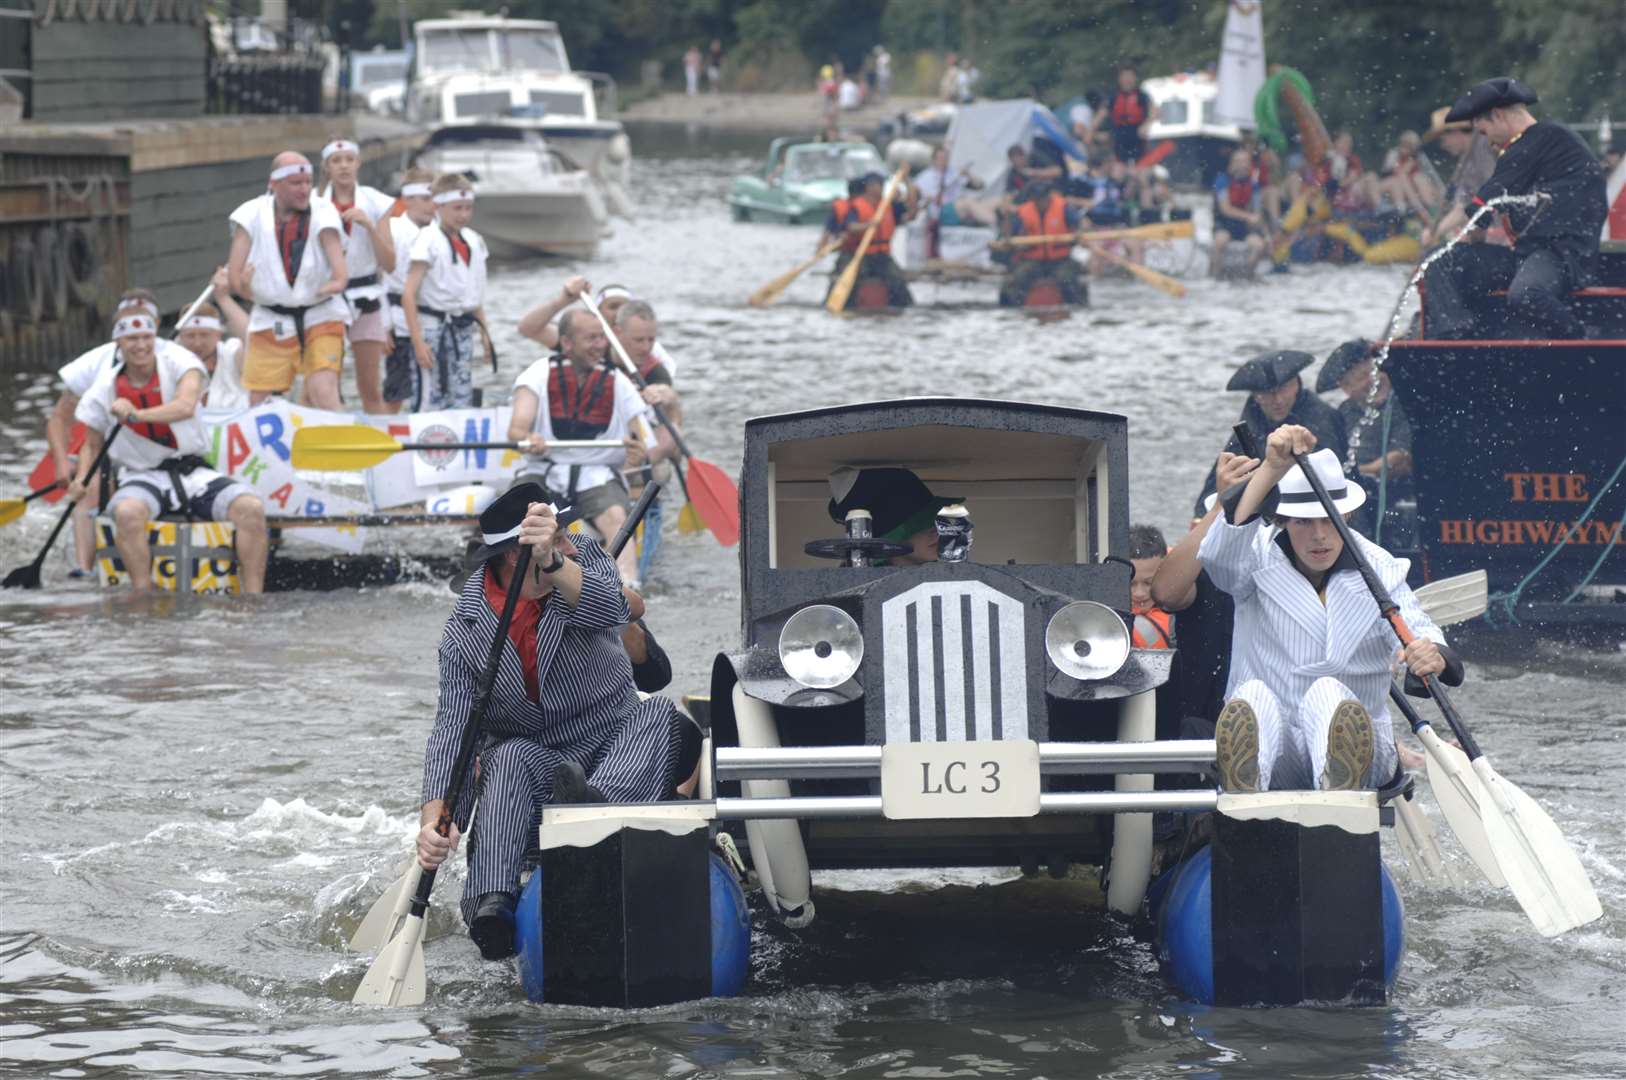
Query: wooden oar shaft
849 277
1145 273
782 282
1160 230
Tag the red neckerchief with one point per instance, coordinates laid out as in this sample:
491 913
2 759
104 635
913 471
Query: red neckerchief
292 234
522 632
341 207
460 246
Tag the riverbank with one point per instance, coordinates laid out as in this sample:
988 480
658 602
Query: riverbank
776 113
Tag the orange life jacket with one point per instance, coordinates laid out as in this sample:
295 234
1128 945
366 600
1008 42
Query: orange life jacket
145 397
1153 629
1127 110
881 242
1054 223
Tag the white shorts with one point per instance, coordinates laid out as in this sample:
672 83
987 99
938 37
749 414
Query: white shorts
209 495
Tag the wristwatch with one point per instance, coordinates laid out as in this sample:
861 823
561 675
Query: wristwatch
554 564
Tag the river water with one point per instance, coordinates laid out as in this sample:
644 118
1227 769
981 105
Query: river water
201 799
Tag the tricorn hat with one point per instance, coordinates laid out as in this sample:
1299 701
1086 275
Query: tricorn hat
1295 497
499 522
1269 371
892 497
1491 94
1438 126
1340 361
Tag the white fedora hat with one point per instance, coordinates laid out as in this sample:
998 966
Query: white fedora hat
1296 498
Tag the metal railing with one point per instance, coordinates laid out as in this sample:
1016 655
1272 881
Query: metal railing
286 83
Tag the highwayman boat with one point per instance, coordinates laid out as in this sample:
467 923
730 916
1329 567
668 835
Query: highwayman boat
799 180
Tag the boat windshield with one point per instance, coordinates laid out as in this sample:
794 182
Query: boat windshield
456 50
370 72
532 50
807 163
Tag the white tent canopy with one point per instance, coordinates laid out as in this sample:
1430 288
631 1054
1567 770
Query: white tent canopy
983 133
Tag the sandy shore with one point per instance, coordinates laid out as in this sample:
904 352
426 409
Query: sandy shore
760 112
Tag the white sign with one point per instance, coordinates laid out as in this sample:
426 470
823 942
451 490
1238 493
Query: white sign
440 468
993 778
1242 63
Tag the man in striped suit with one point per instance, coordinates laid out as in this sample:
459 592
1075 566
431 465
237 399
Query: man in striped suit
1310 670
564 724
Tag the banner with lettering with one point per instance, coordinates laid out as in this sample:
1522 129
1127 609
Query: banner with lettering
442 468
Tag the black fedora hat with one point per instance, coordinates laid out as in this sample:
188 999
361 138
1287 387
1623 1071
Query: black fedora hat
892 496
499 522
1491 94
1269 371
1339 361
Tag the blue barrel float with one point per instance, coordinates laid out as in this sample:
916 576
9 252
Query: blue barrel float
640 918
1277 912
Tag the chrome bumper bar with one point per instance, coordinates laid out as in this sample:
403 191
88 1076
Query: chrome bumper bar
869 806
1055 759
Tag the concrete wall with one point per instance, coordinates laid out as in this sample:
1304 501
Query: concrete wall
101 71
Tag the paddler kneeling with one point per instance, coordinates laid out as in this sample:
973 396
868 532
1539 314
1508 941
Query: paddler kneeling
850 218
564 723
1044 213
155 395
1308 695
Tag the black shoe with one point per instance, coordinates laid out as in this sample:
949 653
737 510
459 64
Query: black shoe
570 785
492 927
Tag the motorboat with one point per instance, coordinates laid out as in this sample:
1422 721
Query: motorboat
1183 112
520 68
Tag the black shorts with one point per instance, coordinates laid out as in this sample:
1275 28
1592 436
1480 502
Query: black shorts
1237 229
401 371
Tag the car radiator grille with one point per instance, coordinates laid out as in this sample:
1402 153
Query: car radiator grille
956 664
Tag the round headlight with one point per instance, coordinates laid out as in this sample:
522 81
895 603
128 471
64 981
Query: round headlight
821 646
1087 640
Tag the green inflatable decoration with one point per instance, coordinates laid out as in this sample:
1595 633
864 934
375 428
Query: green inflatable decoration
1267 103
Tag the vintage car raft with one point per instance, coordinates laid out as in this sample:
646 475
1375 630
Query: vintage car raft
799 181
988 711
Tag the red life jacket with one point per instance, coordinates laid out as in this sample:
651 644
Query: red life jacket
580 408
145 397
881 242
1153 629
1054 223
292 233
1240 193
1127 110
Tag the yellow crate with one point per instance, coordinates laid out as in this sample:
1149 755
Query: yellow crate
204 549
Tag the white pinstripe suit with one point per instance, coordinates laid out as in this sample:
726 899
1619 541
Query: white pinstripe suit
589 712
1293 658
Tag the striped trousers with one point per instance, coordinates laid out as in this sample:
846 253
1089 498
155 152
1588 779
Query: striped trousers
635 760
1293 739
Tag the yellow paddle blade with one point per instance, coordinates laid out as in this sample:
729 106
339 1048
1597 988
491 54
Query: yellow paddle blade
770 292
11 510
342 446
1338 230
689 520
1394 249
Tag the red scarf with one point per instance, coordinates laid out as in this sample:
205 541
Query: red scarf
522 631
341 207
460 246
292 233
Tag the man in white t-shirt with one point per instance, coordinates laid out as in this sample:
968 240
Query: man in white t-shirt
417 213
574 394
204 335
287 256
443 299
160 449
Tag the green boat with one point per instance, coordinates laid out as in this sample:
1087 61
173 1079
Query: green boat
800 180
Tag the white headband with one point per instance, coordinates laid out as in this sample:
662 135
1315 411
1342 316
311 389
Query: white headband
295 169
134 324
454 196
409 191
613 292
144 305
201 322
497 538
339 146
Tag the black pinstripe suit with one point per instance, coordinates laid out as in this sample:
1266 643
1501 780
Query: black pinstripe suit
589 712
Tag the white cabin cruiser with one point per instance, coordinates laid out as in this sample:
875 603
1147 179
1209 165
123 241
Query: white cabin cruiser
1183 112
528 56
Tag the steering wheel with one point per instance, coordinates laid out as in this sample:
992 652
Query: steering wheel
841 547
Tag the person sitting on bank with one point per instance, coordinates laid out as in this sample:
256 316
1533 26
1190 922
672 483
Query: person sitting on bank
1308 699
850 219
1277 396
1555 240
443 300
204 336
901 508
1044 213
576 394
155 396
564 723
287 256
1153 628
1381 443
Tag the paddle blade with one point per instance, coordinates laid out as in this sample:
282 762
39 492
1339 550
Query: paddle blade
1455 599
716 499
388 912
1418 842
397 976
1460 796
341 447
24 577
11 510
1543 871
688 521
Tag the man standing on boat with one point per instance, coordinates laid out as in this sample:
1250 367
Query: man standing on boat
1555 239
1308 696
287 255
574 394
564 723
155 396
